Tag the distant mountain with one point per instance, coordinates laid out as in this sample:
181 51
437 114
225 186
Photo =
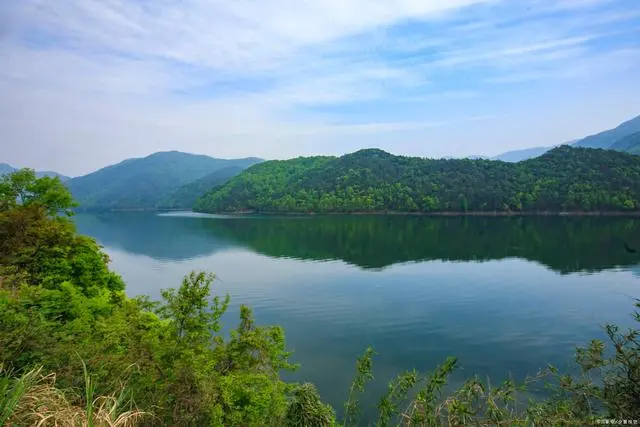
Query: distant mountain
607 138
563 179
52 174
518 155
604 140
629 144
186 196
5 168
143 183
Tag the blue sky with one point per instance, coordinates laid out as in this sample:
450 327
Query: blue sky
86 83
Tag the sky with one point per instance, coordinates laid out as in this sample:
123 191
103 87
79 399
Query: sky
87 83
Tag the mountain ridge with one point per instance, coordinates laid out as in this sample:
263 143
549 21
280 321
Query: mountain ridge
6 168
605 139
142 183
629 144
565 178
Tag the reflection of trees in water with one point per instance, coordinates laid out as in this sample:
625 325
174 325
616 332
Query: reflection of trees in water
159 237
563 244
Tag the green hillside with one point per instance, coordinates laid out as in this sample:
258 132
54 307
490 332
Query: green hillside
629 144
185 197
372 180
143 183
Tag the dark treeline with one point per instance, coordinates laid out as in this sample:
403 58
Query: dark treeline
563 179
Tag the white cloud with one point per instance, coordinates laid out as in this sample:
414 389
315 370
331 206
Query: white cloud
106 79
222 34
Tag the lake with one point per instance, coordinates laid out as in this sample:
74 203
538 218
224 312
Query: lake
505 295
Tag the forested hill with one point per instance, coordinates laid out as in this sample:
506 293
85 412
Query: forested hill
145 183
185 196
563 179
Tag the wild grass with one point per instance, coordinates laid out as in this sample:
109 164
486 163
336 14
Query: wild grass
33 399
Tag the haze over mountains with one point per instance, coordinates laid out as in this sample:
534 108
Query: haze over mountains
630 144
610 139
6 168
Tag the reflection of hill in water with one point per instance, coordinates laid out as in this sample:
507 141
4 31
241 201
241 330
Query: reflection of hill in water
562 244
160 237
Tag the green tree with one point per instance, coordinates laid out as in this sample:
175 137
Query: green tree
23 188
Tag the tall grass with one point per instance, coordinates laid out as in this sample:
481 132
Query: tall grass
33 399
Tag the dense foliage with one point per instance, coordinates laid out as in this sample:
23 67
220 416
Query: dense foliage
185 197
144 183
564 179
167 363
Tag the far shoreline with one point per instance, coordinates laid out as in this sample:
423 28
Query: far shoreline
438 213
247 212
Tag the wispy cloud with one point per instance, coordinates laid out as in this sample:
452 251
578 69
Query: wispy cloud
106 79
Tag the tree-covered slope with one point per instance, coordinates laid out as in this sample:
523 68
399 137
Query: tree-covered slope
186 196
143 183
372 180
629 144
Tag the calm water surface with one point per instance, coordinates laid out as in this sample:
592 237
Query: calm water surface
504 295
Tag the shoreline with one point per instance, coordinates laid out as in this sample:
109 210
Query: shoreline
439 213
93 211
381 213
